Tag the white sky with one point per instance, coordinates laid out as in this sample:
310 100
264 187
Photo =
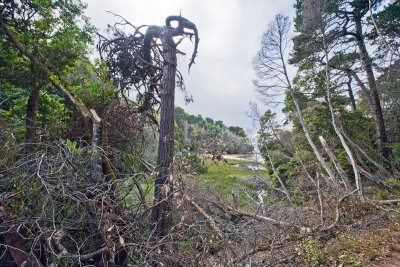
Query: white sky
230 34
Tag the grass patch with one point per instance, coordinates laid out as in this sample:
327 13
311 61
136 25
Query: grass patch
131 193
225 177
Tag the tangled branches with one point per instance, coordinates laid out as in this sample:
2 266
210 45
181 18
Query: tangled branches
135 60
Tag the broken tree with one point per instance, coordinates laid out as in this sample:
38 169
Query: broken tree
163 191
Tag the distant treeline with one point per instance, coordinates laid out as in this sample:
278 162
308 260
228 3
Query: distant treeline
206 135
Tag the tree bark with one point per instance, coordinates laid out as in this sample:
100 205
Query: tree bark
31 115
351 94
377 110
163 191
163 186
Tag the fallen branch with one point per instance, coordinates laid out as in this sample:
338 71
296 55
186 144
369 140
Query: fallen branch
259 248
335 162
338 210
270 220
385 202
248 254
86 256
208 217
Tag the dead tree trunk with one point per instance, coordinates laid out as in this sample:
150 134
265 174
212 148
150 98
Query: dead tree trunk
163 191
299 113
163 188
271 64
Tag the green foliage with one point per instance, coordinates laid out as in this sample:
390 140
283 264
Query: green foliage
345 221
90 82
238 131
394 184
350 250
186 246
347 250
52 115
58 35
388 22
298 196
393 193
311 252
73 146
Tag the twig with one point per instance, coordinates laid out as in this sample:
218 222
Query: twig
338 210
86 256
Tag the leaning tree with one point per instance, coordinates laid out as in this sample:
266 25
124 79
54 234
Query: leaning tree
147 62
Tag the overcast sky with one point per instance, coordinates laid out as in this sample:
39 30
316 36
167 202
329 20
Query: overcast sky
230 34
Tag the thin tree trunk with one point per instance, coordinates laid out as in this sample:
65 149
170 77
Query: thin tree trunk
31 115
378 114
335 161
338 131
364 90
163 191
332 179
351 95
284 189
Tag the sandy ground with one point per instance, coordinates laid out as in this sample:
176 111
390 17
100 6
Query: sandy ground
244 157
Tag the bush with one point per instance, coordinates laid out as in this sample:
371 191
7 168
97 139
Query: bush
189 164
196 164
